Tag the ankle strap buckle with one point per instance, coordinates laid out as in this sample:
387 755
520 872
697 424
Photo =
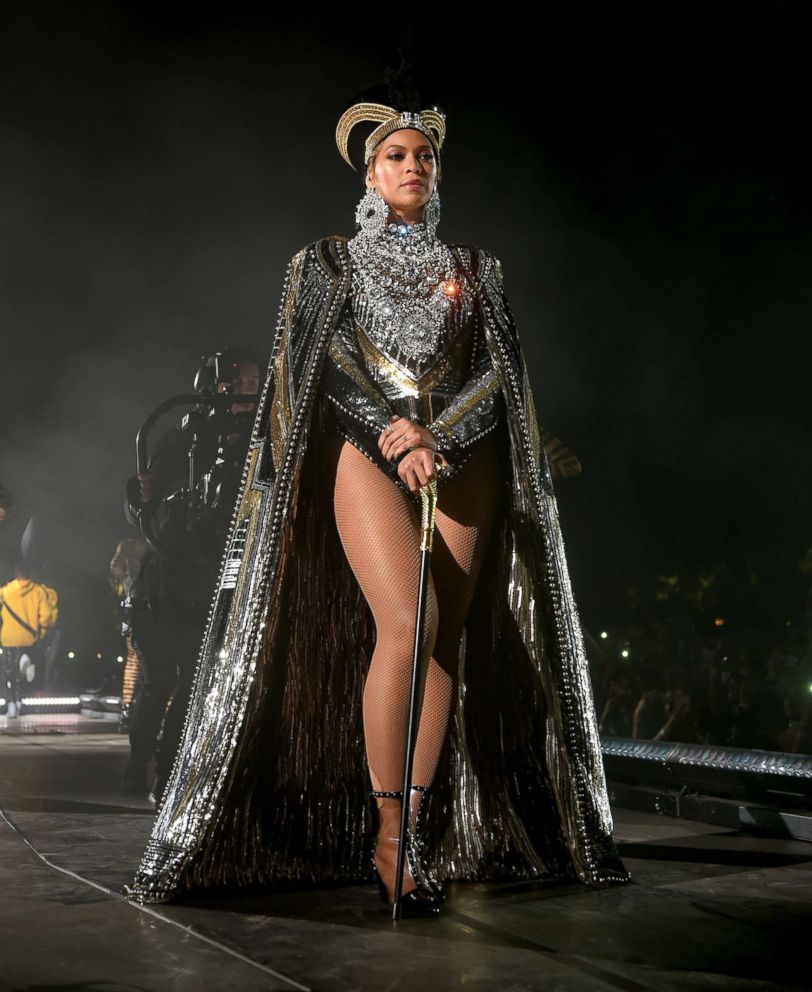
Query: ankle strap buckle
423 789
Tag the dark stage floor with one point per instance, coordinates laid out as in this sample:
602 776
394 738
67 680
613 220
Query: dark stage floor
708 909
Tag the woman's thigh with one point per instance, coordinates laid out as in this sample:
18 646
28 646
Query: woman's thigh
464 519
379 529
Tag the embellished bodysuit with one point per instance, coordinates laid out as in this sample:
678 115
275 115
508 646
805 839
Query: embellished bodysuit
411 342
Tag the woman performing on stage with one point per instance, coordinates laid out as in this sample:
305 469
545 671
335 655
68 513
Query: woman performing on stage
396 363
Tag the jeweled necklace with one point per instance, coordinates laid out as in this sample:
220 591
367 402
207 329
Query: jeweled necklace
406 284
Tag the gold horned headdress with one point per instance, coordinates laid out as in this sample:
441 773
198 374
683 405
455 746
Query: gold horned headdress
431 122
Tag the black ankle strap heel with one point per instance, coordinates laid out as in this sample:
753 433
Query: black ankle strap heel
431 883
421 901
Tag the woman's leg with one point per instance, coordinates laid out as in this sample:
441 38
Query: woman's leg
463 524
380 533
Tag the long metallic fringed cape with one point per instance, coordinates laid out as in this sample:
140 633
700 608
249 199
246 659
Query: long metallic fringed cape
271 783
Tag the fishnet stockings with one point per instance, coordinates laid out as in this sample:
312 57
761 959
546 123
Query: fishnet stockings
379 529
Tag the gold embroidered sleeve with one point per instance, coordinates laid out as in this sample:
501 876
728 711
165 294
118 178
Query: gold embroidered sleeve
349 387
361 410
475 410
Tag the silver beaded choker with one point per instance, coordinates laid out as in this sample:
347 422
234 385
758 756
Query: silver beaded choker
407 293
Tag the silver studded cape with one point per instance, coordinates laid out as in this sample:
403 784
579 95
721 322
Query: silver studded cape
270 785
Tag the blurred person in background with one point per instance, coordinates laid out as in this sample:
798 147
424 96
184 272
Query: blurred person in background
796 736
649 714
681 725
125 566
28 610
617 715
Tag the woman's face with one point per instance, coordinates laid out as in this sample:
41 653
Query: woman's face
404 173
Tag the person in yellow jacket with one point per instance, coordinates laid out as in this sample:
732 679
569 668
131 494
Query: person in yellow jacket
28 610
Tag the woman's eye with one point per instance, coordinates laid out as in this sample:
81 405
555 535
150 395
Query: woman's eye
426 155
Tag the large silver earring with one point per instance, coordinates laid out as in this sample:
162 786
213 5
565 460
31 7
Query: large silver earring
372 212
431 212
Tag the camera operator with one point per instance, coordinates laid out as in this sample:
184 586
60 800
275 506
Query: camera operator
188 496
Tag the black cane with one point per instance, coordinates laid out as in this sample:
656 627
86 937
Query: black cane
428 499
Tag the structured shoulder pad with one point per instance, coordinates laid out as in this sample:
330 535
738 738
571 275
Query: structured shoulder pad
467 254
327 253
479 263
491 268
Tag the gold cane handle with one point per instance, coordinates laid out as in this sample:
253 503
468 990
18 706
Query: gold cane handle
428 503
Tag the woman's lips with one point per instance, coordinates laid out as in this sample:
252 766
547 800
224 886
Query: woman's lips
414 185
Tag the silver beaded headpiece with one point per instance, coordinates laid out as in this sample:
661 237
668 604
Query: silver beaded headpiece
431 122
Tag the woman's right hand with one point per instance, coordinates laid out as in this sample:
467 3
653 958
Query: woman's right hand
419 467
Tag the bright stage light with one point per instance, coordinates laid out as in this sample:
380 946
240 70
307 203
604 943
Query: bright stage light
52 701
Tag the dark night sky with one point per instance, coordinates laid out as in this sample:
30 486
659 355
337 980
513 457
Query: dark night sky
642 175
